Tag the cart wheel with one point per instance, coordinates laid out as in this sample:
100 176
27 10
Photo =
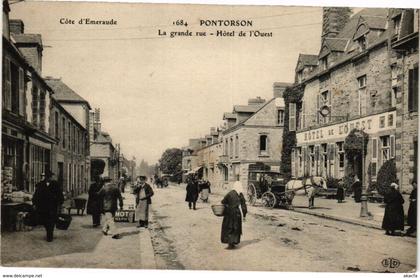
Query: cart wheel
251 194
268 199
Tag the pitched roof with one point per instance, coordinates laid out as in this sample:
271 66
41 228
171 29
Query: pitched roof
375 22
27 38
64 93
308 59
336 44
103 137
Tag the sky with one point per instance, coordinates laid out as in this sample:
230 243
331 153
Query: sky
156 92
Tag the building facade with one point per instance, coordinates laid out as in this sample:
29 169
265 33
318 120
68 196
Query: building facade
349 88
404 64
26 98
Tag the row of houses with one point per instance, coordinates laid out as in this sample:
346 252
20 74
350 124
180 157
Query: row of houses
250 134
365 77
45 124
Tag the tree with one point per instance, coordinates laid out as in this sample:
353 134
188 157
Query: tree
171 161
387 174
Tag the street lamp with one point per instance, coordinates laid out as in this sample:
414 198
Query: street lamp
364 212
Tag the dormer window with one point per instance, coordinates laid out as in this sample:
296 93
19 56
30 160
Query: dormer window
324 63
362 43
397 24
300 76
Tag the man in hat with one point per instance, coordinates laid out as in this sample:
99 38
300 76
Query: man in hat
47 200
111 194
144 193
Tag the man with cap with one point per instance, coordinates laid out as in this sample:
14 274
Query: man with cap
144 193
47 200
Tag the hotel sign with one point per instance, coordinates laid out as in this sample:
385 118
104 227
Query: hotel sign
370 125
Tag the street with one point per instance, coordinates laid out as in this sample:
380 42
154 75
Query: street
273 240
180 238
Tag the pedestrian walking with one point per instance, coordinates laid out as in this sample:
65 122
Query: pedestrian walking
144 193
340 191
393 221
412 210
111 195
95 202
192 192
121 184
235 211
47 199
205 191
357 189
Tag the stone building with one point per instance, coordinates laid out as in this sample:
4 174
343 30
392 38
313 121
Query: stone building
255 136
26 98
349 88
71 159
404 36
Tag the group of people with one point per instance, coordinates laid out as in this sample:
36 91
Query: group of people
195 186
393 221
105 198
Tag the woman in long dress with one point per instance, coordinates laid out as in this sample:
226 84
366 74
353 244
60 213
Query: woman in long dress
144 193
412 210
393 221
235 209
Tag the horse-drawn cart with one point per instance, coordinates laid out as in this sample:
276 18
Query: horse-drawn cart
267 186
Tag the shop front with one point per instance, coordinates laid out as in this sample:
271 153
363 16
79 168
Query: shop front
321 151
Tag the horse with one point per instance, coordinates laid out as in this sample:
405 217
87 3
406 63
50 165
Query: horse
306 186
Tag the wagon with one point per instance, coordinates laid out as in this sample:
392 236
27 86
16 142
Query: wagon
268 187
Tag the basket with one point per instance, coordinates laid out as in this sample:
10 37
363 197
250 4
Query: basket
218 209
63 221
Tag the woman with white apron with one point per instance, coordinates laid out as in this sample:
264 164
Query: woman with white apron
143 192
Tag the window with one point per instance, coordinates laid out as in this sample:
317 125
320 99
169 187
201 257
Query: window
263 144
340 150
390 119
382 122
68 136
236 146
361 81
324 150
324 63
312 156
324 100
387 148
300 76
292 116
42 110
362 43
63 132
413 94
35 106
56 125
226 147
231 148
397 24
280 117
7 85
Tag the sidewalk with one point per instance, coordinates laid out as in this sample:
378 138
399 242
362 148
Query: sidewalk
81 246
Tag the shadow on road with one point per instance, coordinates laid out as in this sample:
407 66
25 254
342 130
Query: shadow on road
248 242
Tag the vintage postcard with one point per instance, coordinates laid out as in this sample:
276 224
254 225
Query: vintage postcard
209 137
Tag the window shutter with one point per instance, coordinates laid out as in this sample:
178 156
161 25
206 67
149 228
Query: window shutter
292 116
293 162
8 85
317 108
22 96
374 148
392 146
415 89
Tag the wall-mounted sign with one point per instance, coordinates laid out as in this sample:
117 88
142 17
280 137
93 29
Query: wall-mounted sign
370 125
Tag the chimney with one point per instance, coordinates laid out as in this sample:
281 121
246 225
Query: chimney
279 88
97 126
6 22
256 101
16 26
333 21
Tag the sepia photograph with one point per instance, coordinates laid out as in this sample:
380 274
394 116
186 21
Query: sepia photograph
174 136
